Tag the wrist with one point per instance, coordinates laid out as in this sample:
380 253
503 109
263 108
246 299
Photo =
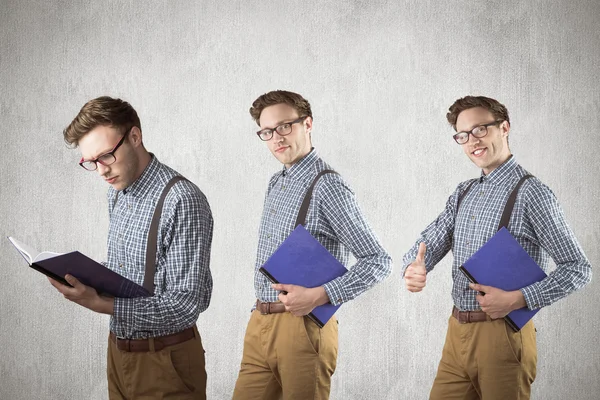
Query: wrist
321 296
105 305
518 300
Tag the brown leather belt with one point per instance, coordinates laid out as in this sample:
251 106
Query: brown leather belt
466 317
141 345
270 308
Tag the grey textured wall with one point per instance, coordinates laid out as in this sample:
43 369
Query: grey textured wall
380 76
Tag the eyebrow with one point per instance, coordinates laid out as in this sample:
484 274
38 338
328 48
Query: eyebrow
285 121
471 128
96 157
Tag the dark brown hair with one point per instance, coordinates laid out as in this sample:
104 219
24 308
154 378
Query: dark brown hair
102 111
497 109
299 103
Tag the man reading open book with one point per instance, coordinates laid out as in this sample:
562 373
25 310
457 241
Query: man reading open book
154 349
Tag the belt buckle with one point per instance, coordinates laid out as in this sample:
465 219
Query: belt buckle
464 317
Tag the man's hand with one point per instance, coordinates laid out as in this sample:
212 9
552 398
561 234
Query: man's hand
415 275
300 300
497 303
84 295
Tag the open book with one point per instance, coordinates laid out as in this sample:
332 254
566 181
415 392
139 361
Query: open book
86 270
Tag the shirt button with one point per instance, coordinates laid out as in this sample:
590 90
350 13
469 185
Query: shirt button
268 236
120 265
472 217
282 187
272 211
481 193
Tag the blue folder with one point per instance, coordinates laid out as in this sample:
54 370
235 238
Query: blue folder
301 260
504 264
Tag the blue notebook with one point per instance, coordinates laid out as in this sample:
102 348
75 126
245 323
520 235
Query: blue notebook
504 264
302 260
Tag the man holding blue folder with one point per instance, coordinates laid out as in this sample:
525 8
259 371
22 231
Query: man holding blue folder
482 356
285 353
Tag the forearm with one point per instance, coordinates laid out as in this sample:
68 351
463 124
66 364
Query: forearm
105 305
361 277
178 310
564 280
437 236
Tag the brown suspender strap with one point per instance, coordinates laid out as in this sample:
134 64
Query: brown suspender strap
301 219
152 244
463 194
510 203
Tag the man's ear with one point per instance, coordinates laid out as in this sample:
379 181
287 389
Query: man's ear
135 137
308 124
505 128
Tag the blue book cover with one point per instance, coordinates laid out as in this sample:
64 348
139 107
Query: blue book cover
504 264
301 260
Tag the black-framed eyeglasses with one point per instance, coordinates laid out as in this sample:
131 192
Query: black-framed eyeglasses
479 131
105 159
282 130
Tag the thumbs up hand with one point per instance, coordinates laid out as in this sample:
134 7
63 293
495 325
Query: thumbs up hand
415 275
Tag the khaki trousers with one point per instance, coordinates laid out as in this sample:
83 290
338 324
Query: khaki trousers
486 360
287 357
175 372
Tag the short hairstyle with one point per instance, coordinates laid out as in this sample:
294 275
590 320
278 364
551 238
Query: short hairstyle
299 103
497 109
102 111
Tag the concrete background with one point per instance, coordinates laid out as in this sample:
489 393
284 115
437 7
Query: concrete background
380 76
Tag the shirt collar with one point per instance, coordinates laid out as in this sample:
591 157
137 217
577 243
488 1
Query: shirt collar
501 173
142 184
302 167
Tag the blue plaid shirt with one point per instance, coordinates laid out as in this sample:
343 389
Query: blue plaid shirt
183 283
537 222
333 218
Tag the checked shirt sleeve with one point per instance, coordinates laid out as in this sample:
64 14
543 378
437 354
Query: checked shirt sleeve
186 290
339 207
437 236
553 234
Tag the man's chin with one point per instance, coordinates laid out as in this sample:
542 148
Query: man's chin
281 158
478 162
118 186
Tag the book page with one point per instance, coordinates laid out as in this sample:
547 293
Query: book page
27 252
30 254
46 255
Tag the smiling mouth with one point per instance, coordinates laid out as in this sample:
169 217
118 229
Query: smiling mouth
281 149
479 152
